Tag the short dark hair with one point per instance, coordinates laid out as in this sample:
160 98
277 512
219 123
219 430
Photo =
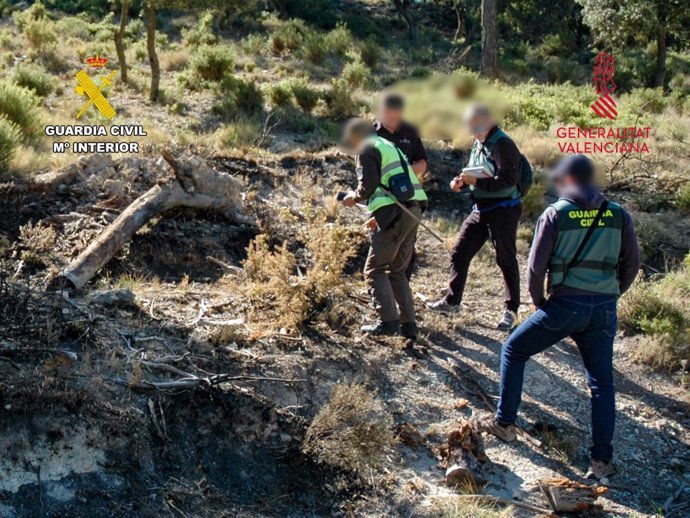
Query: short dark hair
356 129
393 101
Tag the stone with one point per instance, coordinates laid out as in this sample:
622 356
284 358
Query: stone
114 297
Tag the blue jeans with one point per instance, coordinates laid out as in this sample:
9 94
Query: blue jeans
591 321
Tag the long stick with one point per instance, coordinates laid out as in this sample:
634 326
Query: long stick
410 213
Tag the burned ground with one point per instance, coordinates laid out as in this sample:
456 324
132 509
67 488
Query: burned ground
94 425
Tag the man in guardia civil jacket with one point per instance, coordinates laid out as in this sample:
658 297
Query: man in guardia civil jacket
586 249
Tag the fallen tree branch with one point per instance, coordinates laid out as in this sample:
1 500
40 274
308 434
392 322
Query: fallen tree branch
194 185
504 501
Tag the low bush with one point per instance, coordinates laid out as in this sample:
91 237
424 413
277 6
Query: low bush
683 199
212 63
288 37
202 33
174 60
239 133
280 94
34 77
659 311
288 297
253 44
357 74
238 97
339 101
339 41
314 49
41 34
352 431
20 106
10 136
370 52
306 96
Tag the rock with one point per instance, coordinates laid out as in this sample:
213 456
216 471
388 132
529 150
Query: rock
115 297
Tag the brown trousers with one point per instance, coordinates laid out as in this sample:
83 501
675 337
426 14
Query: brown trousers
389 255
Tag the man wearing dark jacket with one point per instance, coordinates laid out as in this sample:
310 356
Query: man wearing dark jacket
495 216
585 246
393 230
391 126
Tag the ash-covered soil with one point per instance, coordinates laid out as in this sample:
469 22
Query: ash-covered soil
93 424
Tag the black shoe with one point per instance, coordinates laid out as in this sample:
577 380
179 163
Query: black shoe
382 328
409 330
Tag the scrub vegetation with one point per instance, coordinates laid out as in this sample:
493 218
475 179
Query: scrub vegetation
307 417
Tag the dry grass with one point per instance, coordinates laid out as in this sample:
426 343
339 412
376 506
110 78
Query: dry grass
352 431
660 311
174 60
450 507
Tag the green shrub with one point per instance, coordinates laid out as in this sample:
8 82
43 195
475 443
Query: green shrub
238 96
7 39
280 94
41 33
339 100
288 37
650 100
313 48
339 41
253 44
420 72
683 199
20 106
659 311
202 33
135 30
370 52
242 132
9 140
305 95
34 77
36 12
356 74
212 63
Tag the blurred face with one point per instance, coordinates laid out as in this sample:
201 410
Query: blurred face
390 117
479 125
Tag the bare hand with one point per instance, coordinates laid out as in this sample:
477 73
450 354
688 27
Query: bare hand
371 225
349 200
467 179
456 184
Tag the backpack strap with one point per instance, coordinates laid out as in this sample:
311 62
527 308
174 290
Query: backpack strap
487 146
595 223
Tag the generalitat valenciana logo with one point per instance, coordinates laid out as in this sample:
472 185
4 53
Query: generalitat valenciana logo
604 67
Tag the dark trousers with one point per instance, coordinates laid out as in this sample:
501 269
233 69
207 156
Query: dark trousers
384 271
500 226
591 322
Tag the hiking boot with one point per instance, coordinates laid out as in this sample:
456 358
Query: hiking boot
489 424
382 328
599 469
409 330
508 320
441 306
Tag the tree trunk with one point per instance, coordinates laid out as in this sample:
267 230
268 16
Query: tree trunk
403 7
489 38
460 17
465 457
194 185
150 13
119 41
660 77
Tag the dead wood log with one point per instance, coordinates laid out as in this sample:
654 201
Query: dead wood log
194 185
465 457
566 495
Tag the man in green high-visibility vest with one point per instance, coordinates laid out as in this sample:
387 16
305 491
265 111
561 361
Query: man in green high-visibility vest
585 246
393 230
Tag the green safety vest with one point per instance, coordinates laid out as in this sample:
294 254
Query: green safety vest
597 267
480 156
390 166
